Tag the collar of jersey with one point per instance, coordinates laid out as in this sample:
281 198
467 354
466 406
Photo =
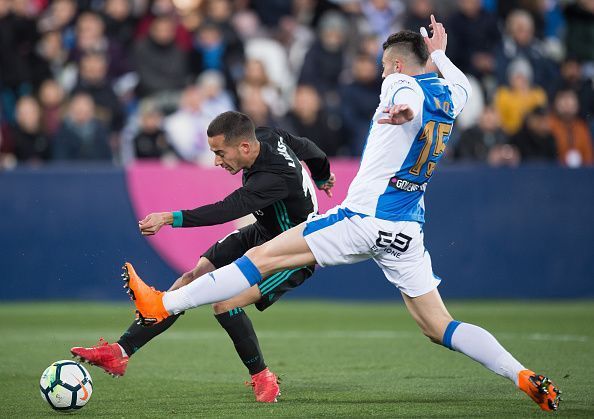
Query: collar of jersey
425 76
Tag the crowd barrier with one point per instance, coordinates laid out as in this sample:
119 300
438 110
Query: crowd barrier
492 233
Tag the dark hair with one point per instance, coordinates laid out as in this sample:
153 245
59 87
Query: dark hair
410 42
233 125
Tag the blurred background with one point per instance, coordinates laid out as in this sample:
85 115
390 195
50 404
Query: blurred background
104 106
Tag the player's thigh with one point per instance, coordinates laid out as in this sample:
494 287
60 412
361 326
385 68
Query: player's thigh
400 252
340 236
233 246
286 251
247 297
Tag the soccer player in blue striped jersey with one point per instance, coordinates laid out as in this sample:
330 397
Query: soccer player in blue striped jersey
382 215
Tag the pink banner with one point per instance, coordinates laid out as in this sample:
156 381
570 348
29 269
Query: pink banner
154 187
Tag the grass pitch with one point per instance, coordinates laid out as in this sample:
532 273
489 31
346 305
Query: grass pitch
335 359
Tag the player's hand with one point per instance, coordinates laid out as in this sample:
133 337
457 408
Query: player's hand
327 187
439 38
397 115
152 223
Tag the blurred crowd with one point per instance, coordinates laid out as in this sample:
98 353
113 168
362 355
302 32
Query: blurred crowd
119 80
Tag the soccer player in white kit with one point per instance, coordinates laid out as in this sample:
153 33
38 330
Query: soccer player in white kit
381 217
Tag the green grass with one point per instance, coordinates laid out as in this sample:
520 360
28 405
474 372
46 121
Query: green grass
335 359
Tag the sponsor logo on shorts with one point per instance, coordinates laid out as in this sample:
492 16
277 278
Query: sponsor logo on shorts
391 244
407 185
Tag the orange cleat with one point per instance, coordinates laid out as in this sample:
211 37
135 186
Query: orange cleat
103 355
540 389
265 385
148 301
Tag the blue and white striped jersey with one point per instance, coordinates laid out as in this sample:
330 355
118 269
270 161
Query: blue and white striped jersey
399 160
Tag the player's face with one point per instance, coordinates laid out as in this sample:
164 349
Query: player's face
389 64
230 157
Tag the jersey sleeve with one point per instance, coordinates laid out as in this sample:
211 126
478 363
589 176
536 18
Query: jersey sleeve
261 190
458 82
307 151
400 89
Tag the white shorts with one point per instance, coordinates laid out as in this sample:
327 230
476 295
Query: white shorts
342 236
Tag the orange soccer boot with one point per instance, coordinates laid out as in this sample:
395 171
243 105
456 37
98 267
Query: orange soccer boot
148 301
265 385
540 389
104 355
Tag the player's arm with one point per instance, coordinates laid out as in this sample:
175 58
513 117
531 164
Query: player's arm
261 190
405 103
436 44
316 160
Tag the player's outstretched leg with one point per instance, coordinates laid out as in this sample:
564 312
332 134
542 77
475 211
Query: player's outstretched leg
113 357
153 306
475 342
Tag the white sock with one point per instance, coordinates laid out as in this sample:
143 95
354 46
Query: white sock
124 354
478 344
219 285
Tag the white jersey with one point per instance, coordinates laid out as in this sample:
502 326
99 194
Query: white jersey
399 160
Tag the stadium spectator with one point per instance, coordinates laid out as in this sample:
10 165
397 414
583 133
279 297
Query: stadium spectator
91 38
120 24
309 12
572 78
535 141
60 17
20 65
151 140
579 39
324 61
55 60
472 37
219 12
160 63
358 102
81 136
186 128
216 99
572 136
93 81
521 97
165 8
210 52
256 108
418 14
308 118
30 144
519 42
256 82
271 11
51 99
382 16
477 142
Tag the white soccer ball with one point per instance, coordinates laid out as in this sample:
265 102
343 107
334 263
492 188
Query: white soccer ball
66 385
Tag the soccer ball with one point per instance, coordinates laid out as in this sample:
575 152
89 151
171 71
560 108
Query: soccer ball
66 385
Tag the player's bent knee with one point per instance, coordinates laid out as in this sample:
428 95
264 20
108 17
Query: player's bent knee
260 256
221 307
